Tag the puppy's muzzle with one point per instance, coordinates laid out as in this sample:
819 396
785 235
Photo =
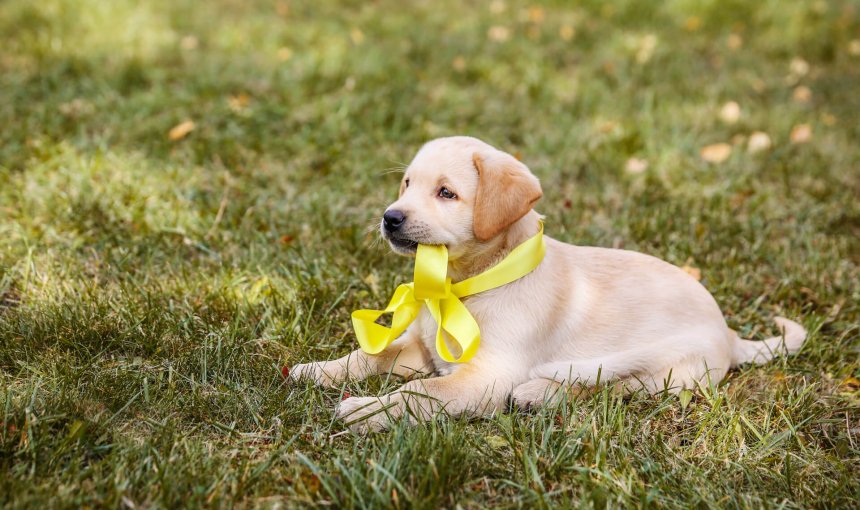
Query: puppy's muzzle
392 220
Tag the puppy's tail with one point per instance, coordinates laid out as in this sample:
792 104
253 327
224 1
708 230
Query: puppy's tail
752 351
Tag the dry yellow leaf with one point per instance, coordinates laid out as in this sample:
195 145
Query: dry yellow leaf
181 130
799 67
566 32
459 63
801 133
802 94
607 126
716 153
759 141
285 54
238 102
730 112
854 47
692 271
373 282
851 382
645 48
693 23
499 33
735 42
536 14
635 166
357 36
188 43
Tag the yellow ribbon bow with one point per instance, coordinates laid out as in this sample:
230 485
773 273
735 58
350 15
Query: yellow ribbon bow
433 288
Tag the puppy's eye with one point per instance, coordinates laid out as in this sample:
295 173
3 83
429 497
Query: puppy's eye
406 183
446 193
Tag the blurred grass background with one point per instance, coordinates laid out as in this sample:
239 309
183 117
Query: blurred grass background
185 195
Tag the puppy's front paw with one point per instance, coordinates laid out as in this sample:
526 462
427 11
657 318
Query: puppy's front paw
365 414
319 373
536 393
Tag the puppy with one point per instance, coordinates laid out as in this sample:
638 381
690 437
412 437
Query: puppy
584 315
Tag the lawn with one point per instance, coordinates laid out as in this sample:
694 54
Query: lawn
187 199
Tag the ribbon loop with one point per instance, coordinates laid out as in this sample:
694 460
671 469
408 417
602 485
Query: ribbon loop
432 288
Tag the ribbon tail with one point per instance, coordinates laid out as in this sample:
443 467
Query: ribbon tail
373 338
460 326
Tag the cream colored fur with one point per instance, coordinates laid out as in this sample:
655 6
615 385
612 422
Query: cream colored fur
584 315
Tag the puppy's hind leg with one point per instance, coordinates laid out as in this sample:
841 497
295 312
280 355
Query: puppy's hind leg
552 381
590 371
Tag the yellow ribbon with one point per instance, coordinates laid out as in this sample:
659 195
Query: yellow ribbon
434 289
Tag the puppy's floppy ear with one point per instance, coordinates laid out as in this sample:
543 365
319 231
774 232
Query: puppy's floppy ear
507 190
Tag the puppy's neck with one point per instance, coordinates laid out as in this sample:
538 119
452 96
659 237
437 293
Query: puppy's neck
484 255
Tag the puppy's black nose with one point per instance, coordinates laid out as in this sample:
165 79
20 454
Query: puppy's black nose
392 220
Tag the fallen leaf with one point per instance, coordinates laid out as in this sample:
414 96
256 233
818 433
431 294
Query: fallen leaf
693 271
759 141
636 166
735 42
536 14
607 126
286 239
181 130
799 67
566 32
258 291
851 382
76 108
499 33
684 398
716 153
693 23
189 42
76 431
854 47
238 102
345 396
802 94
730 112
373 282
285 54
311 482
357 36
285 371
496 442
801 133
646 46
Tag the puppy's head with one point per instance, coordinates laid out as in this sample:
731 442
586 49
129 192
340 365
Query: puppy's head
460 192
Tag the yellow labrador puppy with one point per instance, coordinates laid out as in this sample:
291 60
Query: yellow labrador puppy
583 314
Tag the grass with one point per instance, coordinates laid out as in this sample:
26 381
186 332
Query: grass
151 289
